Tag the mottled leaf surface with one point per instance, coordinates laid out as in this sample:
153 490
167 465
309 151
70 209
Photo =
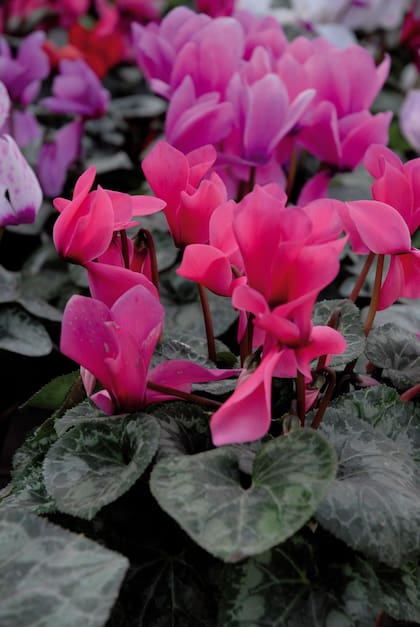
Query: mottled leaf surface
50 576
203 493
349 325
374 503
94 463
397 352
23 334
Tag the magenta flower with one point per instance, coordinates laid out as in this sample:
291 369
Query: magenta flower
246 415
78 91
216 8
86 224
190 201
398 186
116 345
20 193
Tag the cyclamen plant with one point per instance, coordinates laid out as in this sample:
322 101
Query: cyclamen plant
281 456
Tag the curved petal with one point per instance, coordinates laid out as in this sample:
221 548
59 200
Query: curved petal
107 282
246 415
208 266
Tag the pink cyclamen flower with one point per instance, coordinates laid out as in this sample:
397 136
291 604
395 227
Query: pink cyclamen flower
178 179
246 415
398 185
20 192
115 344
78 91
84 229
216 8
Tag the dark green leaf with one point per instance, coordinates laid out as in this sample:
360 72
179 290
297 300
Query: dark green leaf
9 282
94 463
397 352
374 504
84 412
349 325
27 487
184 428
203 493
287 587
52 395
49 576
23 334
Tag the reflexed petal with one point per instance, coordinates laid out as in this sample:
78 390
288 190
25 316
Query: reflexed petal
107 282
208 266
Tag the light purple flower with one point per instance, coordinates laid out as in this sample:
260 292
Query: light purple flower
23 75
410 118
20 193
78 91
56 157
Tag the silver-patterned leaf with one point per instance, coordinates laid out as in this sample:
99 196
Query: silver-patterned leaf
23 334
374 504
50 577
349 325
203 493
94 463
397 352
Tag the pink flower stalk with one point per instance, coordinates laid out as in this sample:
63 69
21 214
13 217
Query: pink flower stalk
20 192
84 229
246 415
78 91
398 186
115 344
190 200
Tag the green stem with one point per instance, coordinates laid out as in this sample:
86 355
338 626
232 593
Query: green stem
193 398
208 323
300 396
360 281
375 296
325 399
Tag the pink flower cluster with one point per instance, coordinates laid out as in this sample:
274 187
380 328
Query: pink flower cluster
238 84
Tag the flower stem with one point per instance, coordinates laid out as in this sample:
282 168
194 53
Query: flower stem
300 394
186 396
375 296
124 248
144 240
208 323
360 281
291 175
326 397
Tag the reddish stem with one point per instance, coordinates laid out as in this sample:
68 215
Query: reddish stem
362 277
326 398
411 393
300 396
186 396
208 323
375 296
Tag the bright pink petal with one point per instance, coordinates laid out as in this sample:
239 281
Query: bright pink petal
180 375
246 415
107 283
208 266
375 226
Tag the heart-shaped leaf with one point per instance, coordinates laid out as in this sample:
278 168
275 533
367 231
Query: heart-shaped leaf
50 576
94 463
374 503
397 351
203 493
